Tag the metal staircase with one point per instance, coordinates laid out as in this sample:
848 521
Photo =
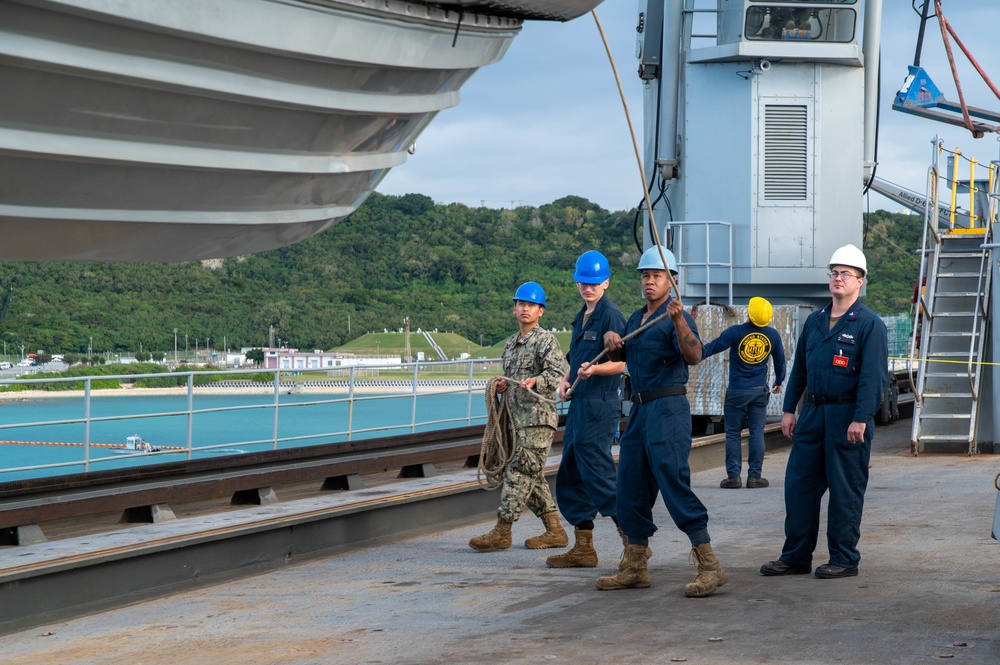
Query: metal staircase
952 320
434 346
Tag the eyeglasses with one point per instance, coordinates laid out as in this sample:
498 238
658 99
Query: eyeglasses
843 274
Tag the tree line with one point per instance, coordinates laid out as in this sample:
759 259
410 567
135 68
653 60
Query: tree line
443 266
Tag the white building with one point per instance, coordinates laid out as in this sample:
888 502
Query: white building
293 359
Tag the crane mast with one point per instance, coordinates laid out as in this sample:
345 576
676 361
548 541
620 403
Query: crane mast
759 138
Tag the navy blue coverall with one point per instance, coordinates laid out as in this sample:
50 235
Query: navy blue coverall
747 394
657 440
842 373
585 483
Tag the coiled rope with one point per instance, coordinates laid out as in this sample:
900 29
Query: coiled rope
498 435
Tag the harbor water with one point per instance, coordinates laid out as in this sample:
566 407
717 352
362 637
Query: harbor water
35 432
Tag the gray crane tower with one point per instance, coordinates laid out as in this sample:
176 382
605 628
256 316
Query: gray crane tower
759 138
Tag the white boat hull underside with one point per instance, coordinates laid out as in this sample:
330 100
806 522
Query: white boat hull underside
190 129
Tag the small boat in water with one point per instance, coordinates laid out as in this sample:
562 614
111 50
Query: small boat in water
136 444
196 129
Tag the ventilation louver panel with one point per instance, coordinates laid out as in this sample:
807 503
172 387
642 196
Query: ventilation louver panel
785 153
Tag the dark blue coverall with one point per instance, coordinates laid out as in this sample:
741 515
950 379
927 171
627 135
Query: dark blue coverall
585 483
747 394
842 373
657 440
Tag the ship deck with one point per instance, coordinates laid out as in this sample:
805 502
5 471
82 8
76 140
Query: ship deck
928 590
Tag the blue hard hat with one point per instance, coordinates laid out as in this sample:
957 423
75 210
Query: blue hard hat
530 292
591 268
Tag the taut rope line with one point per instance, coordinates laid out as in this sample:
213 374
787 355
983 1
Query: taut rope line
635 147
626 338
645 192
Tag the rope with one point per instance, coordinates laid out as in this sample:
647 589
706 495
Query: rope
968 54
498 440
645 191
635 147
498 435
79 444
626 338
946 29
984 363
942 23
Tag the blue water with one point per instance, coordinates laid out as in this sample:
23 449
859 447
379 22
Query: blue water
249 429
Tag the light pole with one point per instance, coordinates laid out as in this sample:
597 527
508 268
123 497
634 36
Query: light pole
378 349
175 346
185 344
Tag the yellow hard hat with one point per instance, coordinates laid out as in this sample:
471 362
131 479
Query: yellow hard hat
760 311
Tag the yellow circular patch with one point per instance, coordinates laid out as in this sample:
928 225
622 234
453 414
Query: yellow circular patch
754 348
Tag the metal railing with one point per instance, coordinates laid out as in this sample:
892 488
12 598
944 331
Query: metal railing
283 399
684 250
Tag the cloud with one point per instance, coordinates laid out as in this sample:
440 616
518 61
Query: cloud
547 120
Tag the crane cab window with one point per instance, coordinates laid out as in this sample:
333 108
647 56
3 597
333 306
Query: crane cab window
801 20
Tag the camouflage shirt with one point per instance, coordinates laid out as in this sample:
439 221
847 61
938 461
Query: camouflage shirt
536 354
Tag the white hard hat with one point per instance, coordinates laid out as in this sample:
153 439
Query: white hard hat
651 260
849 255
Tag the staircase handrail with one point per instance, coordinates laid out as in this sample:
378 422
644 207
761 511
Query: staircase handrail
974 339
981 287
921 315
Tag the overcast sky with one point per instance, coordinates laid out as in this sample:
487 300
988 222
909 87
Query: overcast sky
547 121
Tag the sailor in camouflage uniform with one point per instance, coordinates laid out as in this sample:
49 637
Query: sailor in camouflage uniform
534 359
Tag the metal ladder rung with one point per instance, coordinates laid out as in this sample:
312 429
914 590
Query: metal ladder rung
958 294
952 315
961 255
947 396
958 274
965 231
946 374
944 437
946 416
953 334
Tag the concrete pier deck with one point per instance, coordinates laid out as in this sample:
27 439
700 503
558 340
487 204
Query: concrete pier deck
928 591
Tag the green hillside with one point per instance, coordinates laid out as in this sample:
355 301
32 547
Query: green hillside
445 267
394 344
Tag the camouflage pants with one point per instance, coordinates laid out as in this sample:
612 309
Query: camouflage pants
524 483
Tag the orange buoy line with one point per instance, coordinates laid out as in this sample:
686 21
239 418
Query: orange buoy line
97 445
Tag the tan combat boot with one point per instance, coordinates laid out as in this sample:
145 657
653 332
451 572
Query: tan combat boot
710 574
635 575
497 539
583 554
554 535
623 564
